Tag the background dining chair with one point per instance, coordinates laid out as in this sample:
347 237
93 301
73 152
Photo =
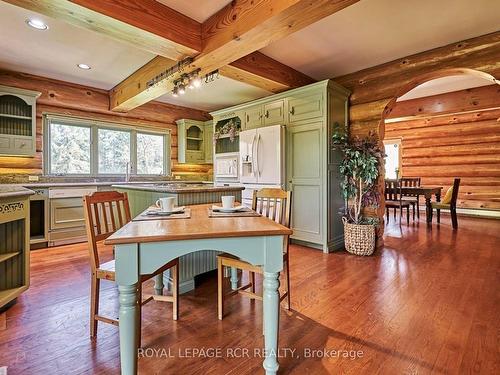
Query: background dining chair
274 204
449 202
106 212
394 199
412 198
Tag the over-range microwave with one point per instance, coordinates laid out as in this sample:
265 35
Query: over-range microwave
226 167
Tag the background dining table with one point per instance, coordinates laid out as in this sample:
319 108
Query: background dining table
141 247
427 192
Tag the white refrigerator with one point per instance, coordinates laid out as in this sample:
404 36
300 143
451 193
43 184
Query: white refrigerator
262 160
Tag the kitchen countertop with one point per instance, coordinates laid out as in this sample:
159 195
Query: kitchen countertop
35 185
177 188
7 191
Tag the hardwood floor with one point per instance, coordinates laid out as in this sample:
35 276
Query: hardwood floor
426 303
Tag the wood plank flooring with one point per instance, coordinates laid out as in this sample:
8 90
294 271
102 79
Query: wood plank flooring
426 303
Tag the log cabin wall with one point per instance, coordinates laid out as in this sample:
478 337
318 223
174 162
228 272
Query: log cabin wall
65 98
465 145
373 89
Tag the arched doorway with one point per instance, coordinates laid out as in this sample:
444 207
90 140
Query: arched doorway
411 85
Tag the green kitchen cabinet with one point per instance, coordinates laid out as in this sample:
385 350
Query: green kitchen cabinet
305 106
310 115
209 142
305 176
17 121
253 117
190 141
274 113
195 141
14 246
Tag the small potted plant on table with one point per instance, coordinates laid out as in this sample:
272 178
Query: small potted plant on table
360 170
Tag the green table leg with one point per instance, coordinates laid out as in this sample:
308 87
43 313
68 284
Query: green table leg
234 278
271 299
159 284
129 314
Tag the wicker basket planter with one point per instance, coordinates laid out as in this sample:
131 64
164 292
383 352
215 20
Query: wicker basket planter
359 238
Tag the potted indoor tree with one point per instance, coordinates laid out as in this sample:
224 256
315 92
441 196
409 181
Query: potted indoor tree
360 170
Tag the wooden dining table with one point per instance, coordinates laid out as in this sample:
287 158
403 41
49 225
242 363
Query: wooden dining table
141 247
427 192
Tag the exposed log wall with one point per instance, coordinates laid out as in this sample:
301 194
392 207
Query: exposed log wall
373 89
441 148
65 98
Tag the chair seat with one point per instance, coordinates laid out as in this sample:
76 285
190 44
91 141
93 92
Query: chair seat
396 204
441 206
106 271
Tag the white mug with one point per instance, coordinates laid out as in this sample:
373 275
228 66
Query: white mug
228 201
166 204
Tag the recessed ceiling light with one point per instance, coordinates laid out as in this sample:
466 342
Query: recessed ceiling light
84 66
37 24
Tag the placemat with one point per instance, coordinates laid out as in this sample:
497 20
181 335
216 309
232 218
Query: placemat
244 212
144 217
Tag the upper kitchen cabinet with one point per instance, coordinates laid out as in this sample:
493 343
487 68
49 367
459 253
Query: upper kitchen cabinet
305 105
253 117
17 121
191 146
272 113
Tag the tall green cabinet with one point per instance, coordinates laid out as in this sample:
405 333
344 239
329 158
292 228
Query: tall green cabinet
310 114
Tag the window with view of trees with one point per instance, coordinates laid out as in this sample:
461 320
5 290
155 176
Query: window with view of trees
150 156
69 149
85 147
114 151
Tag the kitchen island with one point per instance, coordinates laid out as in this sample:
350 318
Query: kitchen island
141 196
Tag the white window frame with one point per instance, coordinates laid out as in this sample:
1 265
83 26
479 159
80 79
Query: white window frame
399 142
94 146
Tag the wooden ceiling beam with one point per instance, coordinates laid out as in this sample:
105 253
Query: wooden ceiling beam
145 24
469 100
237 30
263 71
156 28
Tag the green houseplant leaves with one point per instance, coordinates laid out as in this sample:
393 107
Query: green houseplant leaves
360 170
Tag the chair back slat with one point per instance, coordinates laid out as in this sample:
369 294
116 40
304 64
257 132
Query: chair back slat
100 220
275 204
410 182
393 190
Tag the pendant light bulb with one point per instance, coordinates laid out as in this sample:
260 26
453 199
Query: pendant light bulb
181 89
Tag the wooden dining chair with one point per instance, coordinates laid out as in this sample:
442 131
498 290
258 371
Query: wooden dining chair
106 212
412 198
274 204
394 199
449 202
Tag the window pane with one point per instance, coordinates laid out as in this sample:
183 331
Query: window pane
392 160
150 154
114 151
69 149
